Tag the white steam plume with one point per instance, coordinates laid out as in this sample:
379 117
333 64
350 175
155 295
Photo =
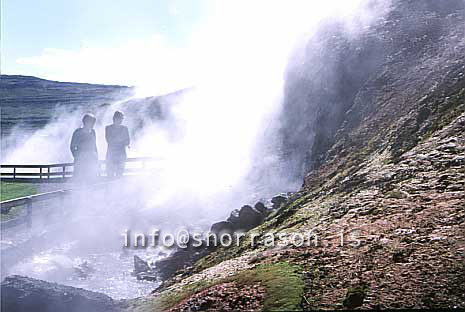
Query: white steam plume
207 144
236 60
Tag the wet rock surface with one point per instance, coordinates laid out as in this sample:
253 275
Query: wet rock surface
239 221
248 217
24 294
223 227
180 260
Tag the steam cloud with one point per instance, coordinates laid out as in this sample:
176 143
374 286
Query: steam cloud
217 144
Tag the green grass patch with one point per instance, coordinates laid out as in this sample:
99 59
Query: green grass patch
283 283
15 190
12 191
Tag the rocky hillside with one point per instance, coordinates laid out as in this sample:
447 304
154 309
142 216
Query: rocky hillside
31 101
347 75
374 124
376 120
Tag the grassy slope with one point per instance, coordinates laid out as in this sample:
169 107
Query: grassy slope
12 191
283 283
15 190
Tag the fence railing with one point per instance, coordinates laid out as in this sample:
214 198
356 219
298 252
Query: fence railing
28 201
57 173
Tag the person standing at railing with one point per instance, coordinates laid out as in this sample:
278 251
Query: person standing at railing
84 149
117 136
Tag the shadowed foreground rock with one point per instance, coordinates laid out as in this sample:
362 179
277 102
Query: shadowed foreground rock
21 293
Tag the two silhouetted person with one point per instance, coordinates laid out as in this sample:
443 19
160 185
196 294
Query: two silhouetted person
117 137
84 148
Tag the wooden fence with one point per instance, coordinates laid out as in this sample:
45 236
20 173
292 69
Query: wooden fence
28 201
59 173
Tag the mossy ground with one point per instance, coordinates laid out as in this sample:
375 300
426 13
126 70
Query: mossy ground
15 190
12 191
283 283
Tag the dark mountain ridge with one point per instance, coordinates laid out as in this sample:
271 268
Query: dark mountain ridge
30 101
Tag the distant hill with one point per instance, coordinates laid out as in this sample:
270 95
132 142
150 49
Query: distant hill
30 101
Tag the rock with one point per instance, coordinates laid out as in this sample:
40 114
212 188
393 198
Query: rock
449 140
140 266
180 260
249 218
221 227
354 297
279 200
400 256
458 160
450 148
234 218
143 271
151 276
260 207
21 293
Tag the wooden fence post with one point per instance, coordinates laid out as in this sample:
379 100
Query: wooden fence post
62 203
29 212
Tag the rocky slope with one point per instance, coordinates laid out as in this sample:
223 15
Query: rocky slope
385 155
374 123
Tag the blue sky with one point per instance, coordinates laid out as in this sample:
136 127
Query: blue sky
157 45
30 27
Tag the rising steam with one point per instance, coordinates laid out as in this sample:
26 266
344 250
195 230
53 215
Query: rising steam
213 138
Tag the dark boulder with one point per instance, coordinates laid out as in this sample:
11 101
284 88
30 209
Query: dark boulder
249 218
27 294
260 207
354 297
234 218
222 227
181 259
279 200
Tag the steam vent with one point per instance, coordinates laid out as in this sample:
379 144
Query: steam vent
232 155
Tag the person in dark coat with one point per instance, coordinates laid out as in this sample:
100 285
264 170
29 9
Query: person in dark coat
84 149
117 137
